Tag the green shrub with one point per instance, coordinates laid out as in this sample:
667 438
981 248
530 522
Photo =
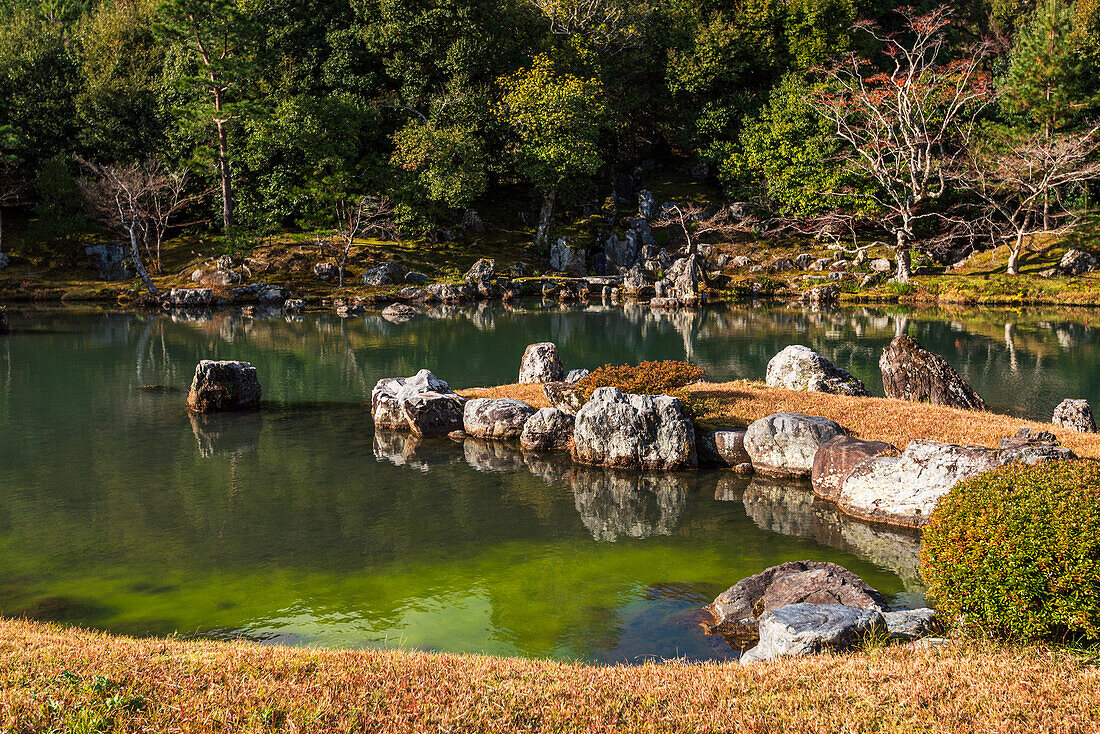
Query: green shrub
1015 552
647 378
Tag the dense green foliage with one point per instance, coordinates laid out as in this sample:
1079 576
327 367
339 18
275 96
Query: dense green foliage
437 104
1015 552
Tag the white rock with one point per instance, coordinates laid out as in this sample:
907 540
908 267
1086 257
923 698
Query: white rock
784 444
634 432
541 364
800 368
807 629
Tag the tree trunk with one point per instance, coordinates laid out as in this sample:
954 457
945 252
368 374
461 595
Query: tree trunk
1014 255
343 261
542 235
226 176
1 228
135 254
904 256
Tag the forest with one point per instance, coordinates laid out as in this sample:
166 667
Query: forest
919 125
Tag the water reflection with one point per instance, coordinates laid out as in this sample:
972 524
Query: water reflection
615 504
227 434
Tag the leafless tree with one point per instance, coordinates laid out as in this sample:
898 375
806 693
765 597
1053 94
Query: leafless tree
607 24
358 217
905 121
694 222
142 199
1022 180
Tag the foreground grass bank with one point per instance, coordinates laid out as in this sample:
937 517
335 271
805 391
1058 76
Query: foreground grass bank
738 403
53 679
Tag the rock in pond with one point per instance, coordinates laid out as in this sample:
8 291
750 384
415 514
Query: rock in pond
495 418
904 490
225 385
549 429
723 447
800 368
389 394
541 364
1075 415
634 432
911 372
784 444
399 312
836 458
431 413
737 610
807 629
190 297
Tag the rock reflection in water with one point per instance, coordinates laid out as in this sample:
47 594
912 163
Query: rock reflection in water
402 448
493 456
616 504
227 434
790 508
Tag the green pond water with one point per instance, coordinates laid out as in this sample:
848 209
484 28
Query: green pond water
301 525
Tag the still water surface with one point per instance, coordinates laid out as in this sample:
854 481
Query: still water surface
300 525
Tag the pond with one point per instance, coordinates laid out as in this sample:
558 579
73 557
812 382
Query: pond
301 525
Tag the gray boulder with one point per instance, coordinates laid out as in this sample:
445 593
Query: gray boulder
836 458
621 253
294 305
576 375
416 278
387 273
541 364
1075 415
4 261
326 271
483 270
807 629
548 429
110 261
911 372
389 393
904 490
647 204
800 368
737 610
564 396
471 222
190 297
431 413
567 258
398 312
881 265
911 624
723 447
448 293
224 385
223 278
1077 262
784 444
634 432
495 418
740 262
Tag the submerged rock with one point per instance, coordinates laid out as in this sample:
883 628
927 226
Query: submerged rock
807 629
495 418
800 368
541 364
911 372
634 432
224 385
784 444
737 610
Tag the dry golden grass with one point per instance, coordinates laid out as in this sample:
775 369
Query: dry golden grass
739 403
57 680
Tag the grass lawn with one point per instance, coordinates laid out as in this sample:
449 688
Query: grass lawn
53 680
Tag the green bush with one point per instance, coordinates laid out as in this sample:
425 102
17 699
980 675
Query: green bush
1015 552
647 378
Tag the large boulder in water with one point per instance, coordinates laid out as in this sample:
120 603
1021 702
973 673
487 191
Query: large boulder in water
737 610
541 364
807 629
836 458
390 394
784 444
431 413
224 385
190 297
634 432
911 372
495 418
800 368
904 490
549 429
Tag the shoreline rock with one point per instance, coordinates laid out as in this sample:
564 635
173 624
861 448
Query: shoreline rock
800 368
618 430
784 444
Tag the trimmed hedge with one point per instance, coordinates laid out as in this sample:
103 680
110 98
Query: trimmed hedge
1015 552
647 378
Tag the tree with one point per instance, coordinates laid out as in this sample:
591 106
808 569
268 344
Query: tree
694 221
220 35
607 25
556 119
359 216
1018 175
905 123
141 199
